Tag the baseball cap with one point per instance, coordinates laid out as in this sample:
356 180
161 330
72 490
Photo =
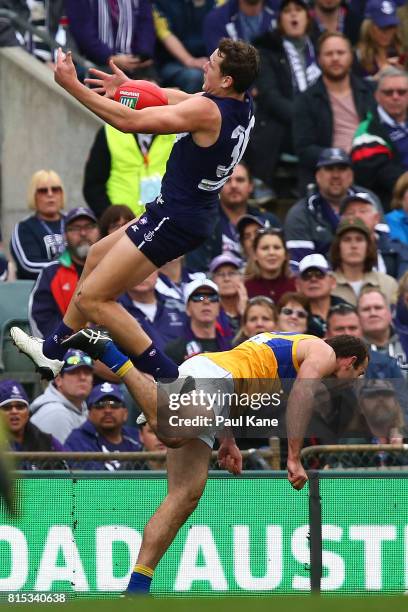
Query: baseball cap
11 390
247 220
302 3
104 391
352 223
197 284
360 196
80 211
74 359
224 259
373 386
315 260
333 156
382 12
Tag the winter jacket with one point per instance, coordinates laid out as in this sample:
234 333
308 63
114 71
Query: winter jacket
376 161
313 121
85 26
224 22
34 244
385 283
87 439
310 228
272 133
53 413
51 295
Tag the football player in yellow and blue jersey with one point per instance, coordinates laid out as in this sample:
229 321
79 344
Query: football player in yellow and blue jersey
265 359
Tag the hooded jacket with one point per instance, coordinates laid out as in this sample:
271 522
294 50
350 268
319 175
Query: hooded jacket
53 413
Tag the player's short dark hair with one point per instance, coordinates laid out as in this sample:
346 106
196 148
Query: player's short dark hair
349 346
240 62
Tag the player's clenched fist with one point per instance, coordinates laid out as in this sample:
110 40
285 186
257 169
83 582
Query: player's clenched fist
296 474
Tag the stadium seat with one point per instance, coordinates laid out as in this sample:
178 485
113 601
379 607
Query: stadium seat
15 365
14 298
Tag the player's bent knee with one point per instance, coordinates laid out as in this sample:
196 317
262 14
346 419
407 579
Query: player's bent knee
85 304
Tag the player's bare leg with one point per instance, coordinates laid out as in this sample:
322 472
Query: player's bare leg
123 268
187 470
94 301
73 317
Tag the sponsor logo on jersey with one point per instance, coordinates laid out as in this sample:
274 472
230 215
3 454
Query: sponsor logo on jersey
149 236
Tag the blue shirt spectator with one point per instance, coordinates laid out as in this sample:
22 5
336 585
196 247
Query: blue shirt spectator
162 320
239 19
39 238
24 435
105 431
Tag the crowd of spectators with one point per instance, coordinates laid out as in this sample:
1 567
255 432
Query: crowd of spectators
332 94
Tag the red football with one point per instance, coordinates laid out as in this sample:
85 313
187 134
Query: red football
140 94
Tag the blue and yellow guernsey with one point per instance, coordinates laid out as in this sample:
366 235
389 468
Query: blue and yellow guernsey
265 357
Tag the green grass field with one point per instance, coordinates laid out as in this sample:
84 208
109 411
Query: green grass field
245 604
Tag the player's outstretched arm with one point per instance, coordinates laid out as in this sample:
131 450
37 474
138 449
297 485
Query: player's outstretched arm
196 114
106 84
319 361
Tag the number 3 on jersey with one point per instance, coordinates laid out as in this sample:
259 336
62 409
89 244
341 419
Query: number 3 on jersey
238 151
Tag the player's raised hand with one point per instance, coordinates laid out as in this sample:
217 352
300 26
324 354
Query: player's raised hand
296 474
65 73
230 457
104 83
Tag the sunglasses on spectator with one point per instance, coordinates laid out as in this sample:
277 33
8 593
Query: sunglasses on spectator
114 404
301 314
17 405
200 297
54 189
390 92
342 309
309 274
77 360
